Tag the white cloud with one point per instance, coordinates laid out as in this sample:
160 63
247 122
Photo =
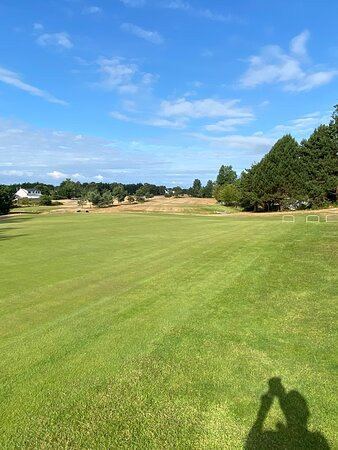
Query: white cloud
122 76
203 108
99 177
273 65
56 175
298 43
13 79
154 121
249 143
117 75
133 2
204 13
302 125
92 10
119 116
313 80
152 36
38 26
58 39
228 124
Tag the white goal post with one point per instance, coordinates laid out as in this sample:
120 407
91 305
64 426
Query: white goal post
288 218
331 218
312 218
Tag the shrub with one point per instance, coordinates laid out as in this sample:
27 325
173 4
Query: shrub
45 200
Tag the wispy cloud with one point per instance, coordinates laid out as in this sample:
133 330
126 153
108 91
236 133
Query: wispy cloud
38 26
152 36
92 10
180 113
122 76
274 66
133 2
229 124
153 121
302 125
298 44
185 6
13 79
198 12
57 39
207 107
250 143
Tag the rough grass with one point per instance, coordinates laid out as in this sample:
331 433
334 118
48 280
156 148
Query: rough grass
157 331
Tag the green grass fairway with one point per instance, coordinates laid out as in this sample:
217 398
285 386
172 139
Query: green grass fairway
161 332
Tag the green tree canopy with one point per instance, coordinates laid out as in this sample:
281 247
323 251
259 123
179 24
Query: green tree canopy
196 190
208 189
6 199
226 175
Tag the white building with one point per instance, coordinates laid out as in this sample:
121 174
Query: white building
30 194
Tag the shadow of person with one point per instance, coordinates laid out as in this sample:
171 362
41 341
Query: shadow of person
294 434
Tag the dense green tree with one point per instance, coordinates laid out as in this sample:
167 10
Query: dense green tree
120 193
228 194
226 175
94 197
45 200
178 191
69 189
140 195
196 190
106 199
320 165
6 199
208 189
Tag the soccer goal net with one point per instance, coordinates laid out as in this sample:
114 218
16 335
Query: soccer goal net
331 218
288 218
312 218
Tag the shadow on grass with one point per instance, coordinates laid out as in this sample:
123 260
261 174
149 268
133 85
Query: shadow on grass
4 220
293 435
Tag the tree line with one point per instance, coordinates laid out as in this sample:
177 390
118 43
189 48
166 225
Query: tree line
291 175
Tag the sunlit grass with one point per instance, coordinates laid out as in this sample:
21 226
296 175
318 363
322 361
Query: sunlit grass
159 331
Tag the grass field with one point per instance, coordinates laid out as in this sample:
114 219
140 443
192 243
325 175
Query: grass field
159 332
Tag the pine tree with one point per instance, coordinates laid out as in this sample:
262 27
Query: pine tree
226 175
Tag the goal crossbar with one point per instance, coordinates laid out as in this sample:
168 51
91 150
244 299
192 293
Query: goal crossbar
331 218
312 218
288 218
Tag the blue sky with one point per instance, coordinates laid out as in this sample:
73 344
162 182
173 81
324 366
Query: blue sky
162 91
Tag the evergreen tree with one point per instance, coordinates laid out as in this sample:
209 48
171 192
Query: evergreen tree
196 190
208 189
6 199
320 164
226 175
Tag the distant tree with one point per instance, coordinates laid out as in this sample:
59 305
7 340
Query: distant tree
94 197
69 189
178 191
208 189
226 175
45 200
106 199
82 201
140 195
228 195
130 199
119 192
196 190
6 199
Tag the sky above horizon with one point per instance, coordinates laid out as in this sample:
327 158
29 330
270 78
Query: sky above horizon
162 91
